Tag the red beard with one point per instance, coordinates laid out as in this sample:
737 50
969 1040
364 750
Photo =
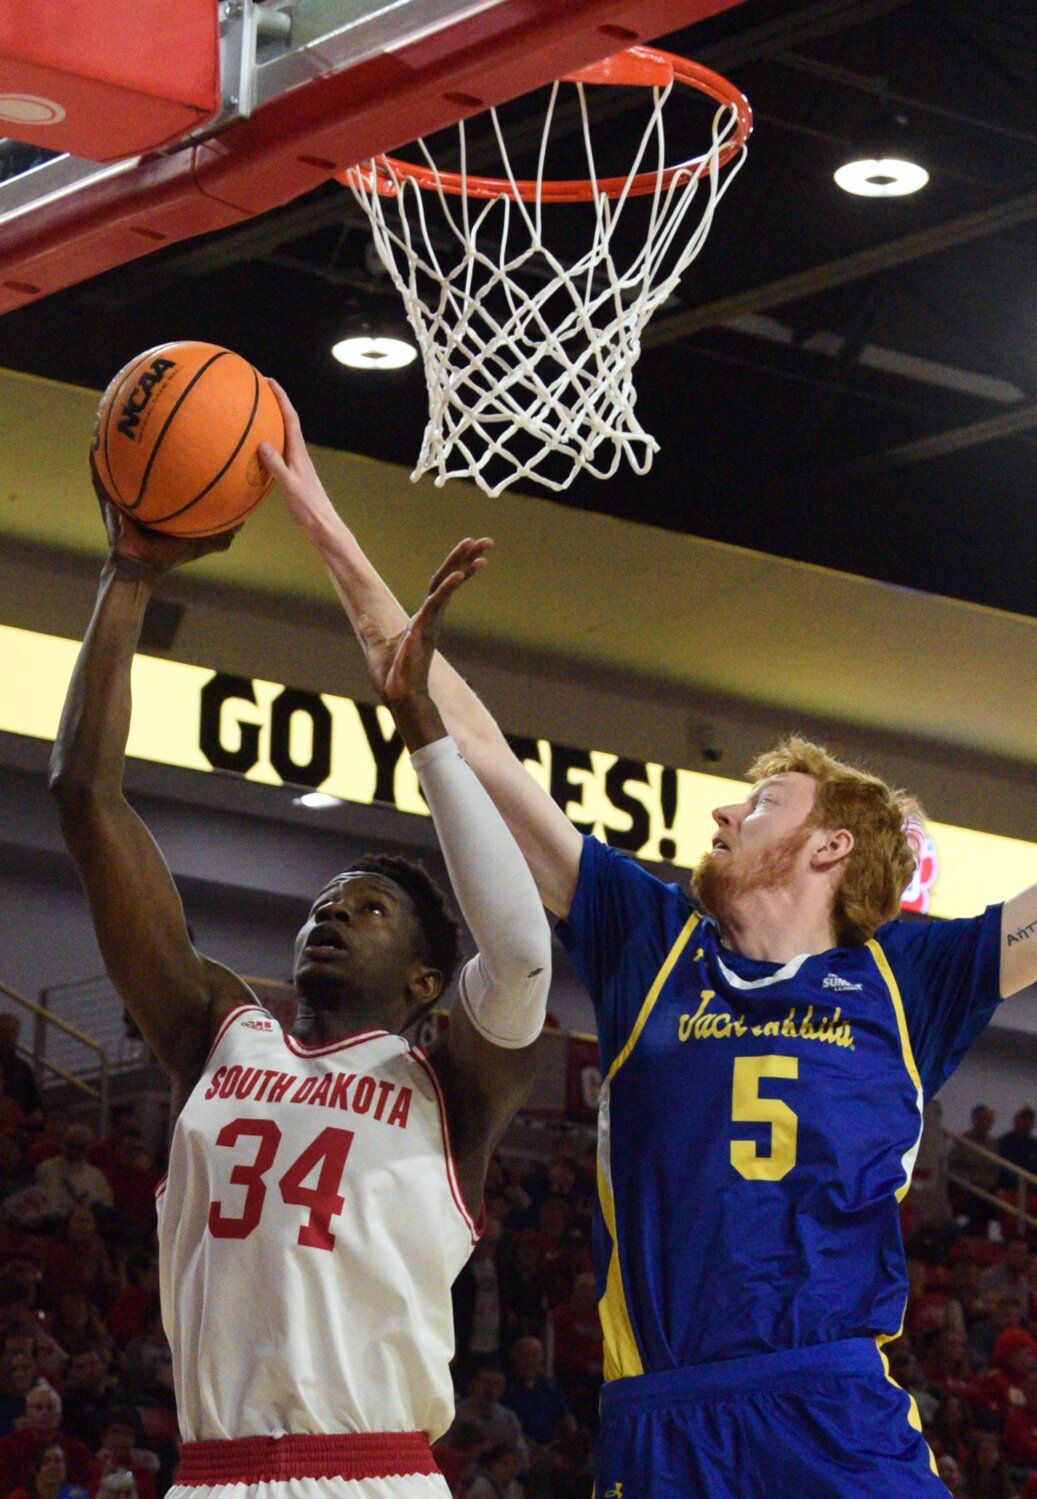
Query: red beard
721 880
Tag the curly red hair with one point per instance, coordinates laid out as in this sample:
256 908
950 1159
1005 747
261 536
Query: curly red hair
880 865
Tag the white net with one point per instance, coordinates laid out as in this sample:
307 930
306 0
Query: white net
529 353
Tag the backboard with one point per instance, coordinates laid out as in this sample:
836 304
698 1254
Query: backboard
307 89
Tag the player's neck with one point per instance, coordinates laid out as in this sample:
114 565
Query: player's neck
775 926
320 1025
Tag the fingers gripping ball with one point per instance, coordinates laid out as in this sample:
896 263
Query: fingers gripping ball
176 438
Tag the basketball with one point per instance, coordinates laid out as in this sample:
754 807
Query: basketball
176 438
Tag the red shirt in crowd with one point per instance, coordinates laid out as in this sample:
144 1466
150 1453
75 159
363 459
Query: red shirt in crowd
19 1448
1020 1435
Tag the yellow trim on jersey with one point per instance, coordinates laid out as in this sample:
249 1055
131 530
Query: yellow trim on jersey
914 1419
622 1356
653 993
882 964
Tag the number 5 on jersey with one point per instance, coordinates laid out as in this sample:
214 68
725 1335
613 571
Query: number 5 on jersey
748 1107
328 1152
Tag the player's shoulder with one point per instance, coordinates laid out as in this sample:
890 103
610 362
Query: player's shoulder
603 867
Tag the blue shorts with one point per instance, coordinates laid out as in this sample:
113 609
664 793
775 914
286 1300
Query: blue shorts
810 1423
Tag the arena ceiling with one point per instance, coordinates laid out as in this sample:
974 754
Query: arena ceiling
843 381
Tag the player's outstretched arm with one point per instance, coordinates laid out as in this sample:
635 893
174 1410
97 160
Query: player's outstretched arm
171 992
548 840
488 1058
1019 942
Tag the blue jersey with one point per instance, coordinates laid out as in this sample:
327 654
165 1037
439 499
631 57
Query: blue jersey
759 1123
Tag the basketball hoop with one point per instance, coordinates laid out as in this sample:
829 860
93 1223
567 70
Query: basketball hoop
529 352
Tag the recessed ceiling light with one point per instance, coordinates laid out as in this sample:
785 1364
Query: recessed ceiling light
365 353
885 178
316 800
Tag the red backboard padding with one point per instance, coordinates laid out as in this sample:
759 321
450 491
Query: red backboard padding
299 140
107 80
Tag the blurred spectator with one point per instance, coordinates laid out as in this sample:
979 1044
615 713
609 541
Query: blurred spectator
12 1115
148 1361
477 1303
69 1178
15 1171
1020 1433
907 1372
573 1258
1009 1278
483 1405
579 1348
965 1275
953 1427
458 1454
929 1196
522 1287
1019 1147
572 1466
538 1401
120 1452
18 1078
949 1365
90 1393
952 1476
1015 1353
20 1282
47 1140
119 1484
497 1475
986 1471
979 1170
79 1324
93 1266
1005 1311
129 1168
128 1313
553 1221
561 1178
17 1377
20 1448
926 1307
48 1477
122 1129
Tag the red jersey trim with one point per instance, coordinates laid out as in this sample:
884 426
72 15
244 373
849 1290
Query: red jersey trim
475 1229
162 1185
364 1454
225 1027
302 1050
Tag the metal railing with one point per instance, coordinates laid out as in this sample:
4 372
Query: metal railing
1026 1181
42 1018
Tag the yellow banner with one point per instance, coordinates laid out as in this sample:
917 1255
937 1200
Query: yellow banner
197 719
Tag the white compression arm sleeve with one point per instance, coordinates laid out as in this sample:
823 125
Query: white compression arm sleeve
504 987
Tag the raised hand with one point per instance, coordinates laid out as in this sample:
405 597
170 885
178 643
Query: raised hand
399 664
152 552
307 500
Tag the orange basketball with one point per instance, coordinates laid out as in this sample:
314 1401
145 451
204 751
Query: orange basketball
176 438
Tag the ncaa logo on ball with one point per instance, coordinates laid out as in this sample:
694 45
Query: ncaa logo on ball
140 395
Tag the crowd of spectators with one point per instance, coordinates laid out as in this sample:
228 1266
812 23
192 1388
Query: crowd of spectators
86 1399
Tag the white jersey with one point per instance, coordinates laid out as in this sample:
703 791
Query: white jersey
310 1229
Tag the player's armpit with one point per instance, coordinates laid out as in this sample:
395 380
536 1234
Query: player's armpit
484 1086
1019 942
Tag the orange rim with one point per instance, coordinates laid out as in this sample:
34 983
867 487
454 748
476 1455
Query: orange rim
639 67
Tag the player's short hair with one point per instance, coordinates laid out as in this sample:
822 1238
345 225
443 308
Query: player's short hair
440 932
881 864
